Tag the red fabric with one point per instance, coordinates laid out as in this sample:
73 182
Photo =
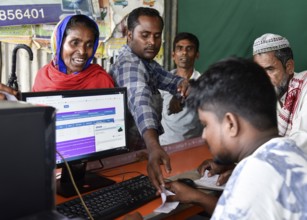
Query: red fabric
49 78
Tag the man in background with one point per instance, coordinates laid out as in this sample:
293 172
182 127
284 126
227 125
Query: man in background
274 54
136 70
184 124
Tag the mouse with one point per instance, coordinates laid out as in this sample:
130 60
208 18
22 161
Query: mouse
188 182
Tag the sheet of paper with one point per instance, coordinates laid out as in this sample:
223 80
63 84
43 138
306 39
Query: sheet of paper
166 207
209 182
9 97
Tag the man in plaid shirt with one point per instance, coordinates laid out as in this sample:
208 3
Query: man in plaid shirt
136 70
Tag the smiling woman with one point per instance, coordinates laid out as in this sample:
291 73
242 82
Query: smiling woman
74 43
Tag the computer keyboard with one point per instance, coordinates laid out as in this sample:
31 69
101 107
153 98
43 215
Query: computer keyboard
112 201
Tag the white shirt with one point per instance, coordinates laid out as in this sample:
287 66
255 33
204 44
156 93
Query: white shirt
269 184
182 125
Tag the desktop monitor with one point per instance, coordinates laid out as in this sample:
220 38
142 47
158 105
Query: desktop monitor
27 163
90 125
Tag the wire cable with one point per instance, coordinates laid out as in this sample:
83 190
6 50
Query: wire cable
75 186
114 175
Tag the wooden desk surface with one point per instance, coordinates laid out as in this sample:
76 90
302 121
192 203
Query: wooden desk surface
182 161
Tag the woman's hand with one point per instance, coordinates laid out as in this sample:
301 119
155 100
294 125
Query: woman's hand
4 88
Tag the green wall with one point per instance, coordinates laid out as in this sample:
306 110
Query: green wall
229 27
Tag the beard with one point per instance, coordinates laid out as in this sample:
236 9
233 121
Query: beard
283 87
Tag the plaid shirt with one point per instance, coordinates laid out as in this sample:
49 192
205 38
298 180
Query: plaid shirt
142 79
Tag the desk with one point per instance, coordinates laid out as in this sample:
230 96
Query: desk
181 161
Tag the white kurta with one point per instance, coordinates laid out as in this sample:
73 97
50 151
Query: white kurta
296 128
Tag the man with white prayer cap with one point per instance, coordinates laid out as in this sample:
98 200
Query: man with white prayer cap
274 54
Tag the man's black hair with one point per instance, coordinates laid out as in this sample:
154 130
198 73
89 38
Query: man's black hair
239 86
133 17
186 36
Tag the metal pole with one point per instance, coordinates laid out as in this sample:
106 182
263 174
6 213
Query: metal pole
170 31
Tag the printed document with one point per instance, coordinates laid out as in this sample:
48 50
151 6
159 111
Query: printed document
209 182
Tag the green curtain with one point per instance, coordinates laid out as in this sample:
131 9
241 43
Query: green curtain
229 27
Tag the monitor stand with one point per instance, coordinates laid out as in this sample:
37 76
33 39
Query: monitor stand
85 180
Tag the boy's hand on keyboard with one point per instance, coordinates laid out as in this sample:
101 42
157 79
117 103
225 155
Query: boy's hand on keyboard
224 171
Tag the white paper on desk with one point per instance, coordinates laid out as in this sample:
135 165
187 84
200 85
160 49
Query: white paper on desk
209 182
166 207
9 97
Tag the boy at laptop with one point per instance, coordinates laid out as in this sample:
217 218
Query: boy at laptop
236 103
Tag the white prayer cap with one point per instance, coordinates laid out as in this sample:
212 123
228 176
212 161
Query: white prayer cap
269 42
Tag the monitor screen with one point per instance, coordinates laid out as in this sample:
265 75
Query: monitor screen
90 125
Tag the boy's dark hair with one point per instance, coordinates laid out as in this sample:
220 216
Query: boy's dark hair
133 17
239 86
186 36
83 20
